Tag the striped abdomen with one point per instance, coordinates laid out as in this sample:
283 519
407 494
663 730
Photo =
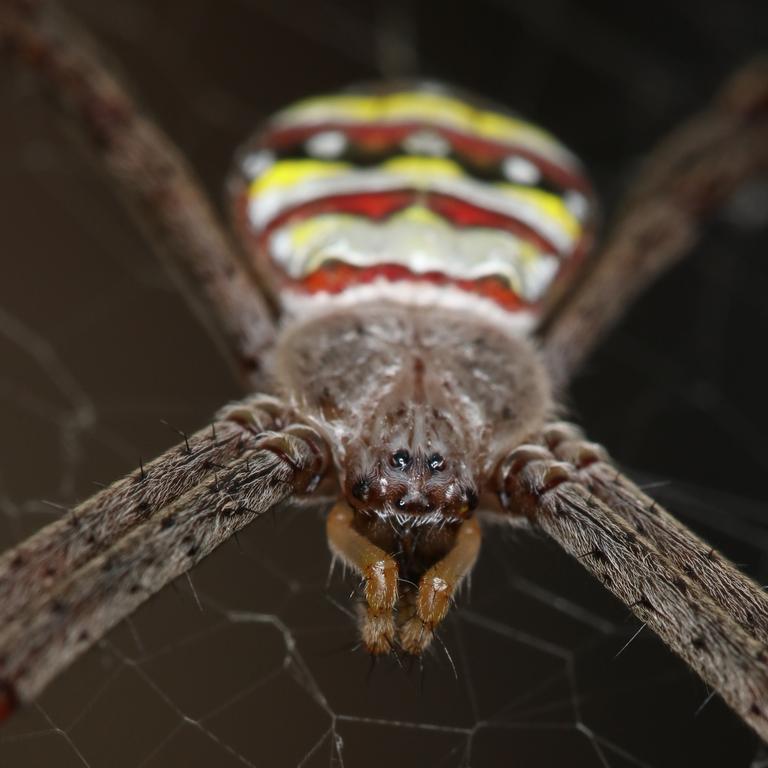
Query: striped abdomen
412 193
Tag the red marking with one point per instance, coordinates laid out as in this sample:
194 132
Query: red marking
8 701
464 214
373 205
375 137
380 205
336 277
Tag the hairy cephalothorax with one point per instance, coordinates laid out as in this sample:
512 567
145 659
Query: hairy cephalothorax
426 253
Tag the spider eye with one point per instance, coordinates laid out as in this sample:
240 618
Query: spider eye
360 489
436 462
401 459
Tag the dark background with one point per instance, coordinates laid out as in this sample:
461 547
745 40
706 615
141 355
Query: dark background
97 346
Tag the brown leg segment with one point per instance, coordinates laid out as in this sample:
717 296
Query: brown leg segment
68 544
660 590
713 573
171 527
377 626
685 179
155 180
437 588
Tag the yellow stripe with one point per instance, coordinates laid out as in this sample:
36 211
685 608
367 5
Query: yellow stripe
291 173
313 229
421 215
408 106
418 171
423 167
550 205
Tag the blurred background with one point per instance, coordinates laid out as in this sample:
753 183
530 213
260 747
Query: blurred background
250 661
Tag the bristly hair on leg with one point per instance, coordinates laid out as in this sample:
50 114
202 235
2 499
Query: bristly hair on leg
134 538
655 586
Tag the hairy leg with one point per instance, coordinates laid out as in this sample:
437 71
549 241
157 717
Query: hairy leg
35 565
378 569
437 587
134 538
154 179
656 587
742 598
683 181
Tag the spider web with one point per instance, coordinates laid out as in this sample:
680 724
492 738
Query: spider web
250 660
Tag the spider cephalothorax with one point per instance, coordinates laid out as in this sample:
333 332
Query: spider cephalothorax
407 462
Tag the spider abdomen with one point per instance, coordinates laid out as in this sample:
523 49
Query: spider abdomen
415 195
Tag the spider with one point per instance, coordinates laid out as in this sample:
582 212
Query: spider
449 409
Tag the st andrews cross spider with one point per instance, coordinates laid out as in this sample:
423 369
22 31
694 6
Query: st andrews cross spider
431 237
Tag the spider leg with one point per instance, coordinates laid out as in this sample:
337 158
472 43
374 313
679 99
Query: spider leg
722 651
744 600
437 588
65 588
62 547
684 180
378 569
152 176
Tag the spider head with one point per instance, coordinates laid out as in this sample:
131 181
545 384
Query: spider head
411 468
